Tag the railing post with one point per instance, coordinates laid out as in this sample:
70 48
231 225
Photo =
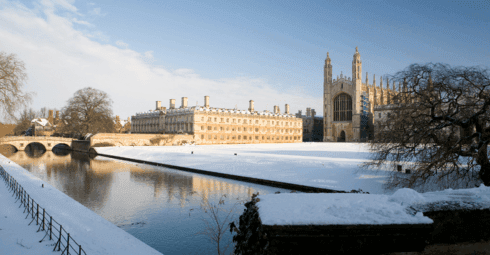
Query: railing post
43 217
68 245
37 215
32 208
50 226
79 249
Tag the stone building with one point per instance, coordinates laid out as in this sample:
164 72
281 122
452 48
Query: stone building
349 103
312 126
150 122
212 125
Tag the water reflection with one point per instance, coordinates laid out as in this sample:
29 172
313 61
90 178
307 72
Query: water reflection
152 203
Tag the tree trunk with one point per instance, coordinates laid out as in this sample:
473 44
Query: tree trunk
484 162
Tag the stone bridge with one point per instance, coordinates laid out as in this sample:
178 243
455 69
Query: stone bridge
21 142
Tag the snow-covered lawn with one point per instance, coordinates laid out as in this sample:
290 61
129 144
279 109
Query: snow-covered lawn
95 234
325 165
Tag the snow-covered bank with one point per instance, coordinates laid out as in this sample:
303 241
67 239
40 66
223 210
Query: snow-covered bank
324 165
95 234
351 209
16 237
334 209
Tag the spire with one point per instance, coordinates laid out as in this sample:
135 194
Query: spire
381 82
367 79
357 67
374 80
327 60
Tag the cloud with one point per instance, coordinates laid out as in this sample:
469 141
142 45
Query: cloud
61 60
121 44
96 12
81 22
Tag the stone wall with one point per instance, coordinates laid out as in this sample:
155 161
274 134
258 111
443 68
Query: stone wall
113 139
83 146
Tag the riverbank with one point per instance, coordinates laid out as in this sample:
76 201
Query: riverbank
322 165
95 234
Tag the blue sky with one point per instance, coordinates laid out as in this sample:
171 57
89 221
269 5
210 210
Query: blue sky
272 52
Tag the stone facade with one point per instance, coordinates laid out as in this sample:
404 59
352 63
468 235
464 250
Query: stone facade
349 103
211 125
150 122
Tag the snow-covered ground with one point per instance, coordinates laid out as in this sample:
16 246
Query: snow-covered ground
95 234
325 165
346 209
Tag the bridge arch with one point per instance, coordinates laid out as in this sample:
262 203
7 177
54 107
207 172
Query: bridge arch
8 148
62 144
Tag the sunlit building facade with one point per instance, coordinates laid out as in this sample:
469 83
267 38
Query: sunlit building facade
212 125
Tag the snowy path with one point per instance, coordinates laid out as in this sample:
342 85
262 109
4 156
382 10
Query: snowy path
95 234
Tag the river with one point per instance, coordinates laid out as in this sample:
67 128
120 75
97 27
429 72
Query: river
159 206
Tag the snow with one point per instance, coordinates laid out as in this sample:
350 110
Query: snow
41 121
16 237
405 206
324 165
95 234
334 209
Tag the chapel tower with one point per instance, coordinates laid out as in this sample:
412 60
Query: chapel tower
357 83
327 102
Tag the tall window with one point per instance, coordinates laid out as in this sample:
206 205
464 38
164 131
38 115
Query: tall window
342 108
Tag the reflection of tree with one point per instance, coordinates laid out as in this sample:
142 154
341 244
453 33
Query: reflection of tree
71 175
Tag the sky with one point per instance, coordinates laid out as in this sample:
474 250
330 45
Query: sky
272 52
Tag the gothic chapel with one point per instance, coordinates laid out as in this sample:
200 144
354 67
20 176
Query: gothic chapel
349 103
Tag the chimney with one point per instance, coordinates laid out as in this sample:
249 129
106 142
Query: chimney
206 101
57 114
172 103
308 112
50 116
159 105
286 109
184 102
299 114
251 105
313 113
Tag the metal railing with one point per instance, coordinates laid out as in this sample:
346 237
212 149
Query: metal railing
45 221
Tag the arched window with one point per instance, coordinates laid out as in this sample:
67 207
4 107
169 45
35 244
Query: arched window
342 108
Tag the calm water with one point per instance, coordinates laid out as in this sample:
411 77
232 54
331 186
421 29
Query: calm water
157 205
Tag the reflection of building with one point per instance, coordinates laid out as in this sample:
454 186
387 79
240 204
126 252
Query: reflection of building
312 126
219 125
346 108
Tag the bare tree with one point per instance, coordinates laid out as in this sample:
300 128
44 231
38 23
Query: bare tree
216 226
439 126
88 111
24 122
12 79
